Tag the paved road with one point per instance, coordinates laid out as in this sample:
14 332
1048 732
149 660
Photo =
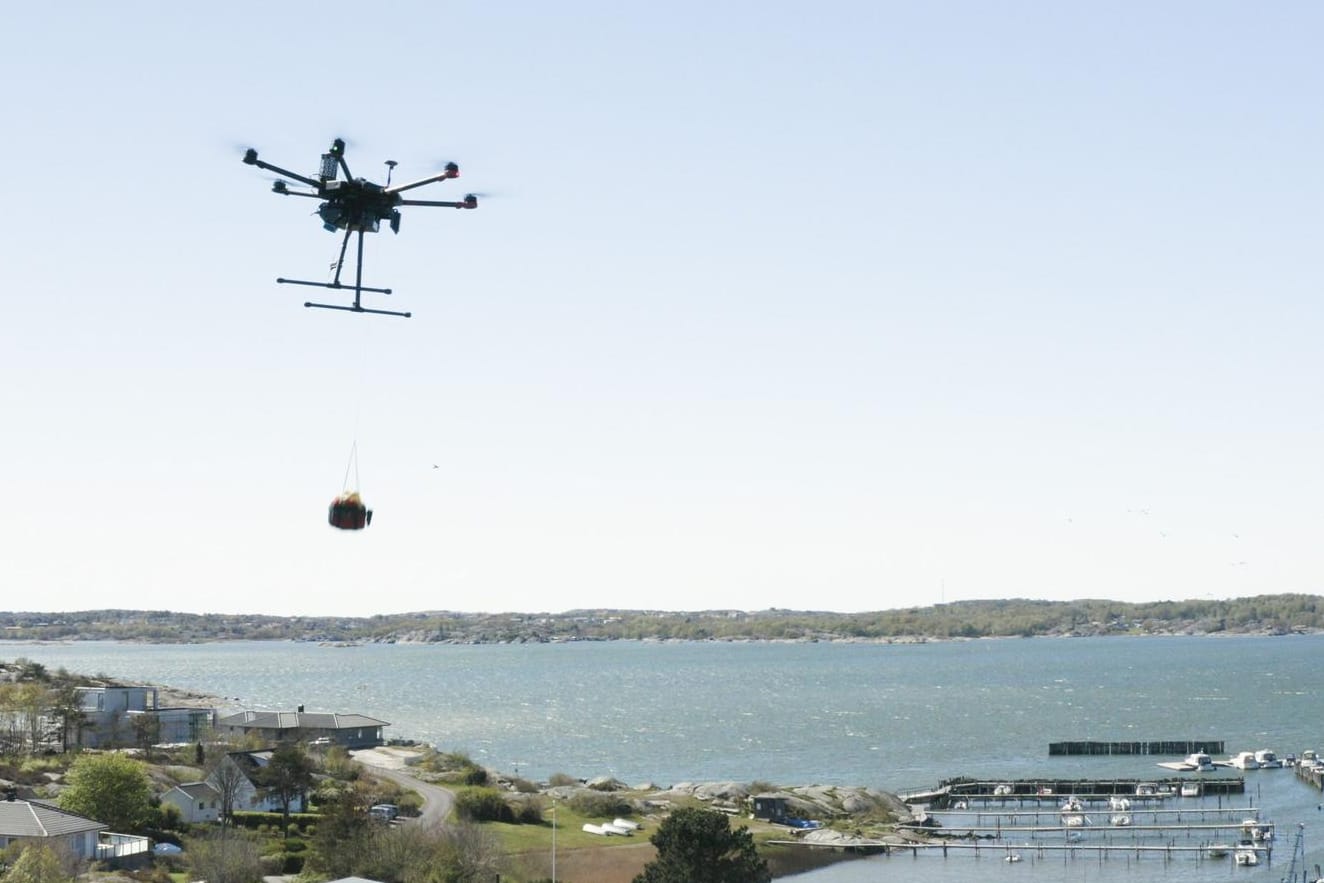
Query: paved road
437 801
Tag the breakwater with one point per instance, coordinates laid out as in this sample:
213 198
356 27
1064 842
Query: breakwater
1177 748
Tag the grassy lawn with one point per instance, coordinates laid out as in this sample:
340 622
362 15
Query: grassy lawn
570 833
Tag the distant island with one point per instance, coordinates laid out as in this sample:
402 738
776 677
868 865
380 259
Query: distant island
1261 615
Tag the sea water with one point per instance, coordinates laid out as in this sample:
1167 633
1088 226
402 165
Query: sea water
888 716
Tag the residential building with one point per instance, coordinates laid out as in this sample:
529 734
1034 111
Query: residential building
250 796
196 801
346 730
118 716
30 820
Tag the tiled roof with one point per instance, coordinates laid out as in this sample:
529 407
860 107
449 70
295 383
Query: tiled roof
26 818
299 720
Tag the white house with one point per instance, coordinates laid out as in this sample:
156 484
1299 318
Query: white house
29 820
196 801
249 796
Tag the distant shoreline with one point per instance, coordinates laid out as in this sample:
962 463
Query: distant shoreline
1275 615
826 639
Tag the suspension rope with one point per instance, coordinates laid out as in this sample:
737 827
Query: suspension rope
352 464
362 382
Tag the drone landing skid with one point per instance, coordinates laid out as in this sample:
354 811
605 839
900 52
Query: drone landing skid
358 287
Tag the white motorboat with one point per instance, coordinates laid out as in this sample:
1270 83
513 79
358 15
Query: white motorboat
1267 759
1245 760
1190 789
1122 804
1120 820
1246 856
1219 850
1194 763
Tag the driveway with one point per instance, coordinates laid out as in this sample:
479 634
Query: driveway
390 765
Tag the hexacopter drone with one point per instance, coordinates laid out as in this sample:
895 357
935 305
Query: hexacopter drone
355 205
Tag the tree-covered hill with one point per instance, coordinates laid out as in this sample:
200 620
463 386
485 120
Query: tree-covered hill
1265 614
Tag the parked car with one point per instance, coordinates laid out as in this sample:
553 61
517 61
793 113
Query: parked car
386 812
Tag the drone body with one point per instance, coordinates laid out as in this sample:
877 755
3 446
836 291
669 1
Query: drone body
355 205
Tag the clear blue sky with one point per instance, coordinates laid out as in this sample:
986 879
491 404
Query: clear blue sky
847 306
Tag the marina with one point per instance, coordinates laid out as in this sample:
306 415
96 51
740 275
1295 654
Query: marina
1086 818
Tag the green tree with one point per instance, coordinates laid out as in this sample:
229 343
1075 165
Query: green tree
220 859
286 777
344 832
68 712
698 846
146 732
38 863
228 779
110 788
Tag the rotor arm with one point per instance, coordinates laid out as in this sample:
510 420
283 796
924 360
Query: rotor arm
280 187
451 171
250 158
469 201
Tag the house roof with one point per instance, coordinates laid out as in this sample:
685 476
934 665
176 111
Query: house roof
299 720
27 818
198 790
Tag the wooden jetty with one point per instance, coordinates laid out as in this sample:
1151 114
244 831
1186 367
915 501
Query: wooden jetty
1178 748
1310 773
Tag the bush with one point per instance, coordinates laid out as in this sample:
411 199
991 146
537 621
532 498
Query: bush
600 803
484 805
475 776
266 822
293 864
528 813
560 779
409 803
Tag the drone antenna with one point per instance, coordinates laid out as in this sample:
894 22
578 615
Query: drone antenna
390 167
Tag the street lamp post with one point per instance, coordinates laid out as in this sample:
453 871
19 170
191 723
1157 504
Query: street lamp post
553 840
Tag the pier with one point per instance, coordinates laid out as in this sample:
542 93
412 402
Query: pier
1310 773
1179 748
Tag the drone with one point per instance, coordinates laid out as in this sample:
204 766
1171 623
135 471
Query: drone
355 205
